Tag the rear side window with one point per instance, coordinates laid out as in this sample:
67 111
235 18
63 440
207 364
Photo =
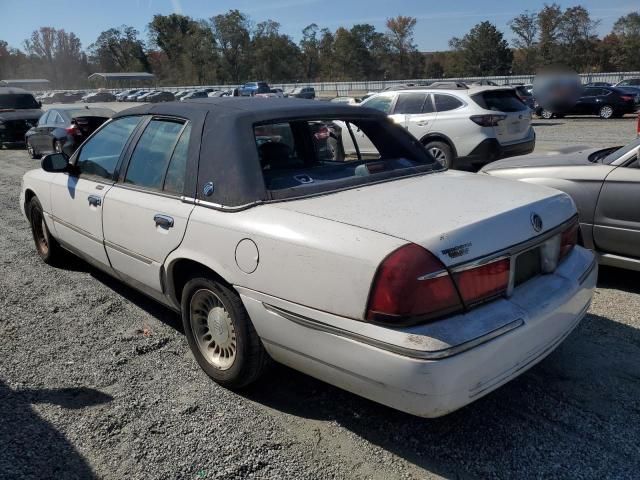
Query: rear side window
500 101
444 103
409 103
381 103
174 180
99 156
151 156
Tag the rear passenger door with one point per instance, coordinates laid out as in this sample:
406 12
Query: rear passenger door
144 218
415 112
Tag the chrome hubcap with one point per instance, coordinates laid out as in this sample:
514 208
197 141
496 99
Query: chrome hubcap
546 114
213 329
606 112
439 155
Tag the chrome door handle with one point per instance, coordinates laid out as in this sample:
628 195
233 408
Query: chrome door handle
164 221
94 200
422 124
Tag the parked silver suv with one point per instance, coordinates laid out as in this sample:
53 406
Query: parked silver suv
462 127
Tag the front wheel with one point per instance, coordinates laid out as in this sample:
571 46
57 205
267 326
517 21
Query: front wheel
220 334
441 152
606 112
47 247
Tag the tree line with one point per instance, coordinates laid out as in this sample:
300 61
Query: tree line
230 48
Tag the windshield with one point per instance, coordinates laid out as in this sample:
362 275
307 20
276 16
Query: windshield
311 156
18 101
621 152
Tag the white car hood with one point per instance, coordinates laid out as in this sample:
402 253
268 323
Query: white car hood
457 216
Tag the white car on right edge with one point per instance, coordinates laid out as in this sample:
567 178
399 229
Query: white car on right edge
463 127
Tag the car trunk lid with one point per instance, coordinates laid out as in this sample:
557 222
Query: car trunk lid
457 216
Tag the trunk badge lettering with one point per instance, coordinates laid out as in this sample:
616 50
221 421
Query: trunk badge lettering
457 251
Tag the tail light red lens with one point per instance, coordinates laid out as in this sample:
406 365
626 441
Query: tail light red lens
626 98
73 130
569 238
483 282
411 282
487 120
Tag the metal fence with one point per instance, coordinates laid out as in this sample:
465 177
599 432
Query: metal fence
349 88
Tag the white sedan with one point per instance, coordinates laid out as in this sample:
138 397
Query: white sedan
417 287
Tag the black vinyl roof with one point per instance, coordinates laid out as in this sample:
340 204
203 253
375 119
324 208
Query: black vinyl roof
222 148
12 91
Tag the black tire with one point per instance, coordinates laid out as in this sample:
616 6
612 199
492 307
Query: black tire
250 358
606 112
32 151
47 247
441 151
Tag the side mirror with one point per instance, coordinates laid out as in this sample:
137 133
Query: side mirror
55 163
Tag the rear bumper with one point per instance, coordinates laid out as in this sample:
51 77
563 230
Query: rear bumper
490 150
399 372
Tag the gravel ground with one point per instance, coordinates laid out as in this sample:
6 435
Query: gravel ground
97 381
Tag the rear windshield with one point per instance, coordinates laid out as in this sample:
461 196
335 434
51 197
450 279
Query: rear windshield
91 112
18 101
499 101
308 156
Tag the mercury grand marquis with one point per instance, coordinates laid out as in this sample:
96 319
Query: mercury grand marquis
388 276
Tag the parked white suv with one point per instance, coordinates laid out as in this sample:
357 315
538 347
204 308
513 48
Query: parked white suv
464 127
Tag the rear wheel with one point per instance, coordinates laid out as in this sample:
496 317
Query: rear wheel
606 112
32 151
220 333
47 247
546 114
441 151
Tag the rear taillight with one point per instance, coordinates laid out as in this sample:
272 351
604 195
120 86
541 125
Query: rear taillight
411 283
73 130
627 98
487 120
569 238
483 282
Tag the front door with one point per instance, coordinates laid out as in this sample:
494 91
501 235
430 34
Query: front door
617 219
144 217
415 112
77 200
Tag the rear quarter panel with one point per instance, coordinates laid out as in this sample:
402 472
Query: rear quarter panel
303 259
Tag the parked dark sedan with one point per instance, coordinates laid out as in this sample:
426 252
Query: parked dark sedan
606 102
19 111
161 97
251 88
196 94
303 92
99 97
64 129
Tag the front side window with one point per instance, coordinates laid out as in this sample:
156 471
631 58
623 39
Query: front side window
151 156
100 155
444 103
382 103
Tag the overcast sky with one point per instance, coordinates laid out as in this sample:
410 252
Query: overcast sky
438 21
